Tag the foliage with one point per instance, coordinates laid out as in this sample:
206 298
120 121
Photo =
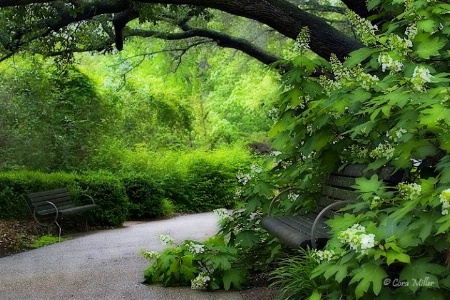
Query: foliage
145 197
51 119
108 193
209 265
45 240
386 104
293 276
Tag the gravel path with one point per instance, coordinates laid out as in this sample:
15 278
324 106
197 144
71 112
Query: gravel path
107 265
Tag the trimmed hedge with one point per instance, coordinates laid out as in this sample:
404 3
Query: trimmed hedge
108 193
145 196
199 186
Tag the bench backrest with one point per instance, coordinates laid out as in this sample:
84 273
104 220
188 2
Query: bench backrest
59 197
338 185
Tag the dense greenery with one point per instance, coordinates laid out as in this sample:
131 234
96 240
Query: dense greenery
385 104
378 97
197 182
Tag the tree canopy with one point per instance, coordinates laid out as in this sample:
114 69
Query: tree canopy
65 27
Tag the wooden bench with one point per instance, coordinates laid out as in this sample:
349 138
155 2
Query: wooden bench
49 206
311 230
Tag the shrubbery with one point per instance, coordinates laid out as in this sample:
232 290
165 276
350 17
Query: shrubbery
194 182
107 192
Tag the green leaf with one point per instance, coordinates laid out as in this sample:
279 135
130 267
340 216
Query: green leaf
369 274
445 220
234 277
427 25
248 238
371 185
430 48
419 271
358 56
315 295
392 256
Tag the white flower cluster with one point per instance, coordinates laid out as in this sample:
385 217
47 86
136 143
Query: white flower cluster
223 214
444 198
375 202
256 169
302 41
388 63
421 76
150 254
328 84
273 113
292 196
196 248
323 255
383 150
409 191
397 134
366 81
166 239
363 28
243 179
397 43
357 74
358 151
200 282
255 215
411 31
357 238
338 68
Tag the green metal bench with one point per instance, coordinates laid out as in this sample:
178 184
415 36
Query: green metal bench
310 230
49 206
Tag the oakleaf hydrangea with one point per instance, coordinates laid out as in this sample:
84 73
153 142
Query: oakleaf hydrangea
421 76
444 198
383 150
357 238
200 282
363 28
196 248
409 191
323 255
166 239
302 41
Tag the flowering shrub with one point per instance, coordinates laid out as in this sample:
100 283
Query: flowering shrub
388 103
210 265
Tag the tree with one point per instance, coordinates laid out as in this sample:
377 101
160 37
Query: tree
64 27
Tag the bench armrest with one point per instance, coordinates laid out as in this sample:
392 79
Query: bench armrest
275 199
42 204
86 195
321 214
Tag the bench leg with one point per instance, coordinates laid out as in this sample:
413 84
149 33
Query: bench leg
59 231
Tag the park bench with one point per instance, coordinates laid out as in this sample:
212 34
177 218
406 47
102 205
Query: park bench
49 206
310 230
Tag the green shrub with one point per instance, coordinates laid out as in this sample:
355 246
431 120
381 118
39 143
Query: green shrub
145 196
107 192
209 265
14 186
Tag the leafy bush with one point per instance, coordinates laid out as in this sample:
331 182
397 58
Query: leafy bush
110 196
387 103
107 192
145 195
209 265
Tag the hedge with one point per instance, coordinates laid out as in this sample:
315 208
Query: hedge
107 192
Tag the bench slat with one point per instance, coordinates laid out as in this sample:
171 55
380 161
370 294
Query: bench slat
295 231
38 203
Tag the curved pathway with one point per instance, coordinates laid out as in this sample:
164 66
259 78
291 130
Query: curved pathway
104 264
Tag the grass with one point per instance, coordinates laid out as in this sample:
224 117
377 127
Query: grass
46 240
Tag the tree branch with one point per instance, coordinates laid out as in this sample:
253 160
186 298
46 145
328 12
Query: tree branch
283 16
